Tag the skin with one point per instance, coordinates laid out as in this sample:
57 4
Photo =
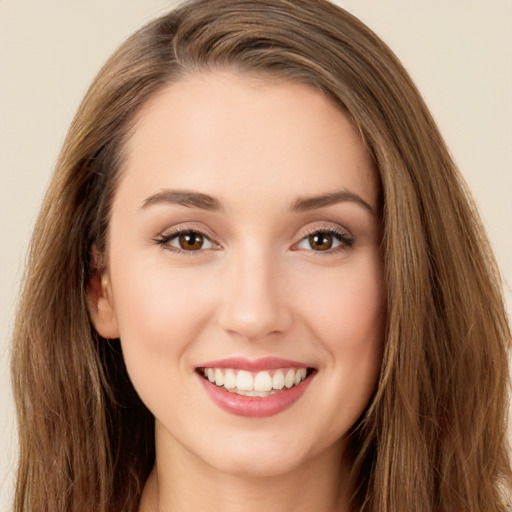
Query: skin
255 288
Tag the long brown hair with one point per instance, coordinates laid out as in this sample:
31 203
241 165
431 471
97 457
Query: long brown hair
433 436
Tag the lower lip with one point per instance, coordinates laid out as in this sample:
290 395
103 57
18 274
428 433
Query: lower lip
254 406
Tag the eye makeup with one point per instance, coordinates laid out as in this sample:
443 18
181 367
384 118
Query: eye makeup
325 240
189 241
185 240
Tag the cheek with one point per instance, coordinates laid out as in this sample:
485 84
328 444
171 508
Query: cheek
348 320
159 312
346 308
161 315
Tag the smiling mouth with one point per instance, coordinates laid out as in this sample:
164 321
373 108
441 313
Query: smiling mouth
256 384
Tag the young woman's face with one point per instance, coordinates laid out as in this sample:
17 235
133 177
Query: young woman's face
244 248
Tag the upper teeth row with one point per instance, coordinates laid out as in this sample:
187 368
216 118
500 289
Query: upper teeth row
259 382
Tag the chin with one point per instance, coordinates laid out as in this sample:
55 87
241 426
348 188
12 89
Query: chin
256 465
260 455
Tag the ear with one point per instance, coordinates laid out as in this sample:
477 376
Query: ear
99 298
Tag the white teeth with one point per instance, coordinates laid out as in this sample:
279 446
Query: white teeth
260 384
219 377
289 379
229 379
263 381
278 380
261 394
244 381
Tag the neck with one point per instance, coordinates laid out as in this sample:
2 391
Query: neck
183 482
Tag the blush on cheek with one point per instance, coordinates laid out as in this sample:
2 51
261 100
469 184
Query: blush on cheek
354 311
160 312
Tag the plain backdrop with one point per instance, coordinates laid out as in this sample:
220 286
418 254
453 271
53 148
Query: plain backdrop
459 52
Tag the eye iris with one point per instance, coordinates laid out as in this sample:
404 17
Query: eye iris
191 241
320 241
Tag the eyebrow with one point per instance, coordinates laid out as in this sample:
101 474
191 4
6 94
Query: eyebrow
305 204
193 199
186 198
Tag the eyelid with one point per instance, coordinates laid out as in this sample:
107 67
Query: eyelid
165 236
343 235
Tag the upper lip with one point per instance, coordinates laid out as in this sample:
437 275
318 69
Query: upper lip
254 365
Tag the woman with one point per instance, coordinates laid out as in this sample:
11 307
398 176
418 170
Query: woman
258 280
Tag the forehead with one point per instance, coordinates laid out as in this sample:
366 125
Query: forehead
233 135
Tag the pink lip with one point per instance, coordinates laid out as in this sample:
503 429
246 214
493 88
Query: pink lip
254 365
253 406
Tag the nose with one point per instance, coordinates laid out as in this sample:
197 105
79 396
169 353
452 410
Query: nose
253 299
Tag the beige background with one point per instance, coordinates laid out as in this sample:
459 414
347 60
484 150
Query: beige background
458 51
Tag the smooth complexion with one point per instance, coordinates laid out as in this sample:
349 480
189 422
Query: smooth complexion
245 226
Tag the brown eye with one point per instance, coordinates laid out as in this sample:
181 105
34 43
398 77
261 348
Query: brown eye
320 241
326 240
185 241
191 241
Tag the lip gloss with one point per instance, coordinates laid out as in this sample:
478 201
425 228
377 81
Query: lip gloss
263 363
253 406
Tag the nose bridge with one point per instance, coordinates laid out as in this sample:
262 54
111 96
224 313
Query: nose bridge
253 305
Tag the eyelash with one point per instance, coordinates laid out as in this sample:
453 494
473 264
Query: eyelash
164 238
346 240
